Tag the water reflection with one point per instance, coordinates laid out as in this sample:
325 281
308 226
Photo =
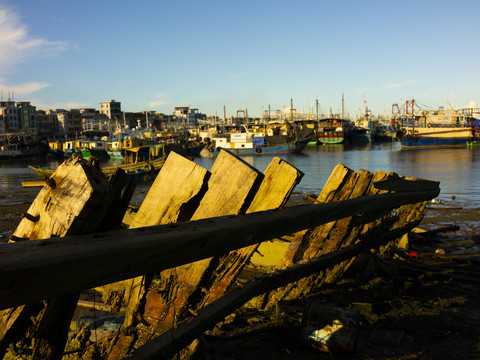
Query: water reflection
458 170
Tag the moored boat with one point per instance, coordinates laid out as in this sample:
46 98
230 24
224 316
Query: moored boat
333 131
248 144
439 129
140 160
16 150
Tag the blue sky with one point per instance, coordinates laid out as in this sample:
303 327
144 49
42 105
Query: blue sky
155 55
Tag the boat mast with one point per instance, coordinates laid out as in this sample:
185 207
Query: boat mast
342 106
291 109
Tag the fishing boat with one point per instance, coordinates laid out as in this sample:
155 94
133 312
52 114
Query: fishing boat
16 150
139 160
185 148
439 129
333 131
96 148
248 144
56 147
360 134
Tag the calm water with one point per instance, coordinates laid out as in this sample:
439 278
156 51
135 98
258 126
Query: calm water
458 170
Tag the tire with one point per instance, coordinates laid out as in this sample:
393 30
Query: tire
258 150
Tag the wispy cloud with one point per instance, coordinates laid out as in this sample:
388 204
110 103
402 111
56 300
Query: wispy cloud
67 105
17 45
22 89
402 84
162 99
156 103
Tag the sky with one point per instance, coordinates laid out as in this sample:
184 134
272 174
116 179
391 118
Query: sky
242 55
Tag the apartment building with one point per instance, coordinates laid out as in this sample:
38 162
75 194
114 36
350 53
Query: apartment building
112 109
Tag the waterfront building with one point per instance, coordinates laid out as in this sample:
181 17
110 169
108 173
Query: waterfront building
70 122
27 116
16 116
112 109
46 123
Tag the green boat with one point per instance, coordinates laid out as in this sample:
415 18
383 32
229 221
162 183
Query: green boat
139 160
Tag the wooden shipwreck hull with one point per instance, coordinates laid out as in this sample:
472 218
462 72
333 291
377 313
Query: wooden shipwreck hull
176 291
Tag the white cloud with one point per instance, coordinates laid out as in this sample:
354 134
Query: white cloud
21 89
162 99
156 103
17 45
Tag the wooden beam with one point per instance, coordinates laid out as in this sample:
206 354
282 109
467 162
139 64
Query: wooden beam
39 269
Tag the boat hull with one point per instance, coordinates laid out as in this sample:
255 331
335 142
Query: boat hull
331 138
416 142
440 137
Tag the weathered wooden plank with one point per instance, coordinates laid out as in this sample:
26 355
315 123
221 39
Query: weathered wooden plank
334 182
39 269
280 179
66 207
231 187
75 191
406 184
172 196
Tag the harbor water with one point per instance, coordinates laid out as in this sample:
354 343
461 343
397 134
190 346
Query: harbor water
458 170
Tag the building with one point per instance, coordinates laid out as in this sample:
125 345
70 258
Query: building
18 117
188 116
46 123
28 117
69 122
112 109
